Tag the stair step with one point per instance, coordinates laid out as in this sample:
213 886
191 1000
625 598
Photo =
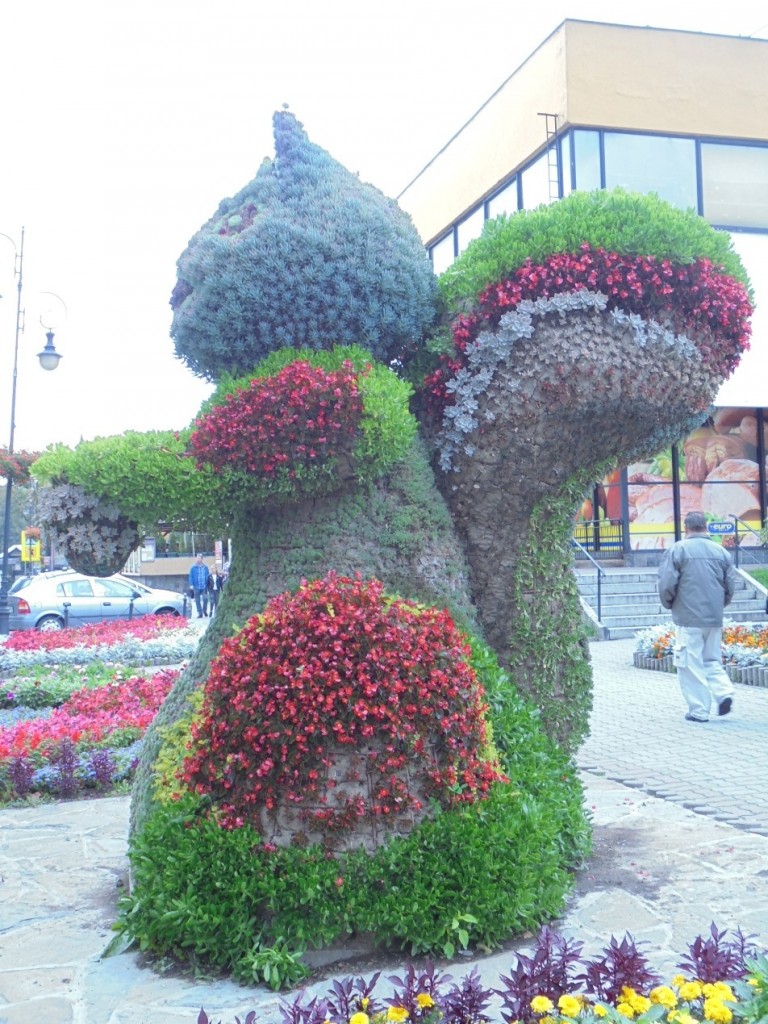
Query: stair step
629 601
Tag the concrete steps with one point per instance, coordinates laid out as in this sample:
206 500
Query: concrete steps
629 601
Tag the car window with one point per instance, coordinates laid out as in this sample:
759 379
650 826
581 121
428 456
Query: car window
20 583
74 588
111 588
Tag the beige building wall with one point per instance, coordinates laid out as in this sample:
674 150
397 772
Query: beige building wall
602 76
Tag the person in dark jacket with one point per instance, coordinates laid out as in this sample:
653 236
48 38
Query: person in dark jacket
697 581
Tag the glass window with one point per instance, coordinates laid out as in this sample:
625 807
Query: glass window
504 201
111 588
470 228
75 588
442 254
735 185
535 181
652 163
586 160
565 157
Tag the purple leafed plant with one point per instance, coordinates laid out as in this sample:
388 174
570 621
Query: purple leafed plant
103 765
549 972
21 772
620 965
717 958
65 762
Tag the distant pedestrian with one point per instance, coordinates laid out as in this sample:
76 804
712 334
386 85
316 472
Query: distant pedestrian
199 575
215 587
697 581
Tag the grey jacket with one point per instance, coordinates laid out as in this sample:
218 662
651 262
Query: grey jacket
697 581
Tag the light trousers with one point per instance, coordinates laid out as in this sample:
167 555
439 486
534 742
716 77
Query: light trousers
700 671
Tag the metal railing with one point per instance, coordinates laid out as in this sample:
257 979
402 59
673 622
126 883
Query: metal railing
600 573
600 536
738 551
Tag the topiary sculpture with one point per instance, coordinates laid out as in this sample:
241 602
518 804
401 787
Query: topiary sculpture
606 319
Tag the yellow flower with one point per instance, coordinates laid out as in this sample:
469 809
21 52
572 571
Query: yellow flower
690 990
680 1017
625 1009
395 1013
664 996
359 1018
678 980
599 1011
640 1004
425 1001
542 1004
719 989
716 1010
569 1006
365 1002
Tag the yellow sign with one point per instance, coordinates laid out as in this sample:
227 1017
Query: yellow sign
30 548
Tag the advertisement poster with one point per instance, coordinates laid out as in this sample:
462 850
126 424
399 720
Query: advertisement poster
718 474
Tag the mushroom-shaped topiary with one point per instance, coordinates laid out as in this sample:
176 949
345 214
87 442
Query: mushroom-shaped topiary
340 716
303 424
598 330
306 255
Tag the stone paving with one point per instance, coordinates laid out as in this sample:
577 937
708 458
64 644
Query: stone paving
639 737
665 865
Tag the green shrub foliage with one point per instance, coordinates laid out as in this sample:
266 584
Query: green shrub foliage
627 223
305 255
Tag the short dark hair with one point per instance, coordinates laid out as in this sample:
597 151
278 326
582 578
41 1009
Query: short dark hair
695 521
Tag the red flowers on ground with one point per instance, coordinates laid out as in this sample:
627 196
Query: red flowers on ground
95 635
90 715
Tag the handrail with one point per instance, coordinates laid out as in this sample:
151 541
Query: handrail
600 573
736 521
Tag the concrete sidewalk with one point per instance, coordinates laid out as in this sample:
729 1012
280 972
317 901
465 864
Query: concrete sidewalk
661 871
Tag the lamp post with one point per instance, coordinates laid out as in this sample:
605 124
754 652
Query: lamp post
49 360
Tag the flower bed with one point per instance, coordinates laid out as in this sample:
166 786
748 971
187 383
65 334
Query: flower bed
721 980
72 711
745 651
150 640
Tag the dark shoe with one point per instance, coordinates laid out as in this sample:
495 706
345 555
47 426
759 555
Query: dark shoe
725 705
692 718
199 616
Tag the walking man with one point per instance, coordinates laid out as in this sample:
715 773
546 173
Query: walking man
697 581
198 581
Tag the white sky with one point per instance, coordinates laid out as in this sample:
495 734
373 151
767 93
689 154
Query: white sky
124 124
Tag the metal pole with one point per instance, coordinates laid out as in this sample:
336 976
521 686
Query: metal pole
5 583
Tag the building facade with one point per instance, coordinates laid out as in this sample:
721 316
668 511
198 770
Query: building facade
683 115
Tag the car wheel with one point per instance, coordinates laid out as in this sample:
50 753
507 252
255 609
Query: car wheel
167 611
50 624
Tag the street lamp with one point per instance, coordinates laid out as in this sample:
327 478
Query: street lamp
49 360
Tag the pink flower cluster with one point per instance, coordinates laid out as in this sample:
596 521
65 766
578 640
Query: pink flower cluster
339 663
297 419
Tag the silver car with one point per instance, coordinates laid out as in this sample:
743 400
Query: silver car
53 600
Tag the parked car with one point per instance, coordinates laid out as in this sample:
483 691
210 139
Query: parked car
53 600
